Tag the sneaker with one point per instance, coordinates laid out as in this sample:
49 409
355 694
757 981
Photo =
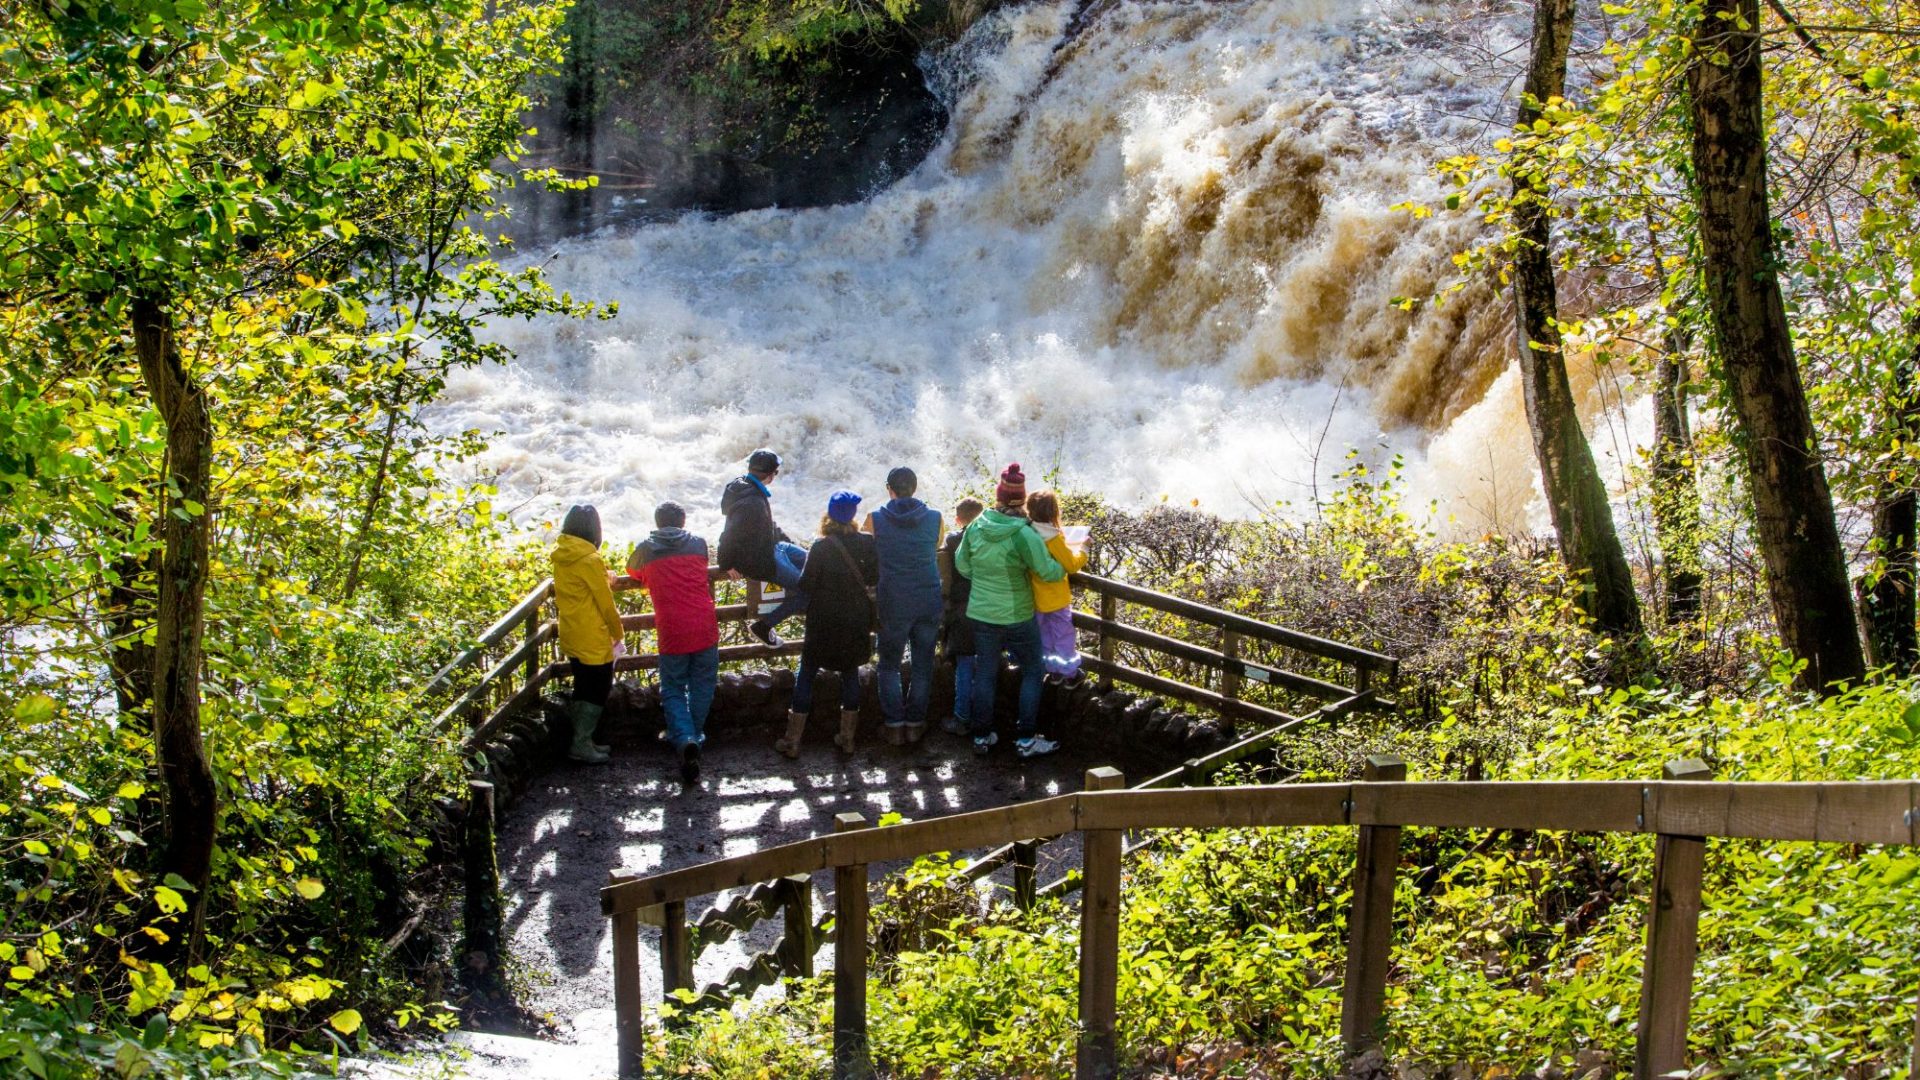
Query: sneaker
762 631
954 725
984 743
690 763
1035 746
1073 681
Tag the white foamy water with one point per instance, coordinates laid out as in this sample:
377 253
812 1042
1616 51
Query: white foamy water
1164 272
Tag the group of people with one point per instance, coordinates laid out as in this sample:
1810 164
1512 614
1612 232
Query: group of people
995 586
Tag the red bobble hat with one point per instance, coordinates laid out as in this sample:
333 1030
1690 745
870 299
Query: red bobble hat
1012 489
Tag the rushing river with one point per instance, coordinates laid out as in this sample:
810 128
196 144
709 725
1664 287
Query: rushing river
1157 260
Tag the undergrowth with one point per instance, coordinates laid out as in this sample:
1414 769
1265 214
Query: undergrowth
1515 953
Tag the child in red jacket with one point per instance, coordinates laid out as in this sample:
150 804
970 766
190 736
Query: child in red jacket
672 564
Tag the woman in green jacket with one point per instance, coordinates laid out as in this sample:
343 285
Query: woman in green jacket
591 636
998 552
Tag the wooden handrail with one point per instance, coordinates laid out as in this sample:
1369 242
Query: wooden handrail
1857 812
1682 812
1363 659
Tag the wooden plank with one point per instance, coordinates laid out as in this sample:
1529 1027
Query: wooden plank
797 945
1192 695
725 613
1588 806
1859 812
1673 943
1230 667
1109 616
850 1060
499 671
1200 654
676 948
1099 939
490 637
1370 925
1215 807
508 709
1253 628
729 654
1025 854
628 1026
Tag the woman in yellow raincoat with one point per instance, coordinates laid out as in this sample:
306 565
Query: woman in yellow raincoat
590 631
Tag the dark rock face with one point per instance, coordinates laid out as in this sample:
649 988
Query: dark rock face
660 150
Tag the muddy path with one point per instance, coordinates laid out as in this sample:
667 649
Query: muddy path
578 822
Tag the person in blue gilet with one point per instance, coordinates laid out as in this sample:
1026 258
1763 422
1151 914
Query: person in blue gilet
906 533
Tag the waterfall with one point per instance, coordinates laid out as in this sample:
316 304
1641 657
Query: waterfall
1157 260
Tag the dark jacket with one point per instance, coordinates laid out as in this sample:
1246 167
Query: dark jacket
956 633
839 613
906 535
747 540
672 564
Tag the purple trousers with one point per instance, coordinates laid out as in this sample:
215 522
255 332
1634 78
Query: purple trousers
1059 649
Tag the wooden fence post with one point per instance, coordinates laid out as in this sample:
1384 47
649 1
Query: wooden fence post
1370 926
1673 941
1025 854
631 1035
1099 939
850 1060
481 949
797 945
1109 613
1230 672
676 949
532 668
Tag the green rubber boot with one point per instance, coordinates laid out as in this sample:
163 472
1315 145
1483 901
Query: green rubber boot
586 717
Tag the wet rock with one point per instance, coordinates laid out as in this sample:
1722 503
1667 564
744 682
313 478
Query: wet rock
1204 734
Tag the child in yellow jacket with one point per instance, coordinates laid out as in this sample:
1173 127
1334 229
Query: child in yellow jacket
1053 600
591 636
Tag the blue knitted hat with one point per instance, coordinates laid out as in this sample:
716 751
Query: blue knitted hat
842 505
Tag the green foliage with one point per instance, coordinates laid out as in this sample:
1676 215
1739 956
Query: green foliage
307 192
741 80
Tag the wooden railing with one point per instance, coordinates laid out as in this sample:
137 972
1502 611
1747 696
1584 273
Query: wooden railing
1370 672
1681 811
1242 680
1249 666
523 646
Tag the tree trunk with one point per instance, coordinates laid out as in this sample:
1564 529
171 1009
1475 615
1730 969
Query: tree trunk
1887 601
127 611
179 613
1676 496
1582 517
1793 507
370 514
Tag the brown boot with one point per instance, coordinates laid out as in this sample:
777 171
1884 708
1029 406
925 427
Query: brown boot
849 723
789 744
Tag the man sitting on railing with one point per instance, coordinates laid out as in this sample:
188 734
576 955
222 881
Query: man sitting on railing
671 564
752 546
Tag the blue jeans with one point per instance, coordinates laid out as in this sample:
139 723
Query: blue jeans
963 686
788 561
896 636
802 700
686 693
1021 641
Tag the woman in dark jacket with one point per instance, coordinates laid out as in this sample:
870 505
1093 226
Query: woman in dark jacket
841 567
